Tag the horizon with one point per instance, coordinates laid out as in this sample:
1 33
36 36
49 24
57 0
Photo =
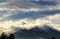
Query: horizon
17 15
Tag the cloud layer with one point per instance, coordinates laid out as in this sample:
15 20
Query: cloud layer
27 14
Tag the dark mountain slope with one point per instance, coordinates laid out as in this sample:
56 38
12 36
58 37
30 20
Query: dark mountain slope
37 33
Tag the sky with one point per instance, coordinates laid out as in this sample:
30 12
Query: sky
27 14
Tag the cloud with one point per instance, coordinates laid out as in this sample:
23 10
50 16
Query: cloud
28 23
22 4
46 2
3 0
33 15
26 6
26 15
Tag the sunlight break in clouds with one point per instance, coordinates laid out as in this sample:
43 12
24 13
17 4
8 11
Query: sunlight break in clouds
6 25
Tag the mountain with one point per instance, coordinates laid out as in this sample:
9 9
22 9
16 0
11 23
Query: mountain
37 33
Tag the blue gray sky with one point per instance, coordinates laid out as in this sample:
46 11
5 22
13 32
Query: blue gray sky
27 14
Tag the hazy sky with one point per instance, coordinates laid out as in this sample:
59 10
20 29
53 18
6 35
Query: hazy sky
27 14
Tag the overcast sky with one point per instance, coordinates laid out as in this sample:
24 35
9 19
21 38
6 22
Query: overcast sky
28 14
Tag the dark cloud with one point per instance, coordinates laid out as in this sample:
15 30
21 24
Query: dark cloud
3 12
3 0
20 4
46 2
32 14
29 4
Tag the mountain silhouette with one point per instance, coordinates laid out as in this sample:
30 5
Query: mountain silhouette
37 32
